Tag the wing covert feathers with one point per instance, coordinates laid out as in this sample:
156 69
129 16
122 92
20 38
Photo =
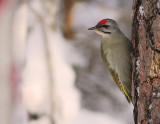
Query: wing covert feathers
115 76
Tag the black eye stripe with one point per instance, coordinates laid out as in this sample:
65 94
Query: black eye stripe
105 26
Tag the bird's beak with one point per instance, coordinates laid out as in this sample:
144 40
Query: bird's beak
97 27
93 28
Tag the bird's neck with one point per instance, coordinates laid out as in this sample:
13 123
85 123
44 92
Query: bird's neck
112 41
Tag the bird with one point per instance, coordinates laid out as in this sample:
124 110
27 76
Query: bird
116 50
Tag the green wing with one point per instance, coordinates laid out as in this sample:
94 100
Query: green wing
114 75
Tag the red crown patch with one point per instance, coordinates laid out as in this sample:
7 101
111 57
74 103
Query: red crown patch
102 22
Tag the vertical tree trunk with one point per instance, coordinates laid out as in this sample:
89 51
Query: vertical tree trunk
6 11
67 28
47 24
146 61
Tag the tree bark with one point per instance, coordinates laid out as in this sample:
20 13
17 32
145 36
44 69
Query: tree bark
146 61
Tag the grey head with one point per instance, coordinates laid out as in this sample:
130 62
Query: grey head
106 27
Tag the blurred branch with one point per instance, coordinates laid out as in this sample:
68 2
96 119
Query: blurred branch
67 28
35 12
48 57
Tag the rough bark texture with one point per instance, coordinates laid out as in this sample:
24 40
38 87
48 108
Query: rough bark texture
146 61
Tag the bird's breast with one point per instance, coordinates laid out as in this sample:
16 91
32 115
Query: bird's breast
118 59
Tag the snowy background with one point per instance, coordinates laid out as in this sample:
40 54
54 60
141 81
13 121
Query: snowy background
51 68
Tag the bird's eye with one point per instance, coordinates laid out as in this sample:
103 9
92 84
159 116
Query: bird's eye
105 26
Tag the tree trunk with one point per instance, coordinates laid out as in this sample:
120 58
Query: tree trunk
67 29
146 61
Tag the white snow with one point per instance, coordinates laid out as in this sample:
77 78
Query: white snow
68 51
19 32
150 121
91 117
141 10
36 87
158 94
150 106
153 94
137 90
138 65
66 106
142 13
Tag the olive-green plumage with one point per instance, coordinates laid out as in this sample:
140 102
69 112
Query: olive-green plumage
116 53
115 77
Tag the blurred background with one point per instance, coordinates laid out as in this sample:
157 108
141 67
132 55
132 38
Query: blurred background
51 67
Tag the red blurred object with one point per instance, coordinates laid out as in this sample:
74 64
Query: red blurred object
15 79
3 4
